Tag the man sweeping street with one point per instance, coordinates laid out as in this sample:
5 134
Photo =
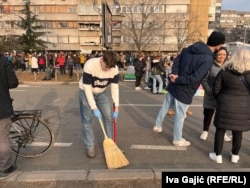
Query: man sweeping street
94 98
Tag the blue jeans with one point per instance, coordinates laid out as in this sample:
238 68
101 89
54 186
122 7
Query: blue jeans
180 115
77 66
168 71
105 106
157 78
147 76
5 148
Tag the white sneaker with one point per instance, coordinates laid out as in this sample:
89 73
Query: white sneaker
147 87
227 138
235 158
157 129
204 135
216 158
137 88
182 143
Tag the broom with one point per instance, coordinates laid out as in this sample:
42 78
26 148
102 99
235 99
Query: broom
114 157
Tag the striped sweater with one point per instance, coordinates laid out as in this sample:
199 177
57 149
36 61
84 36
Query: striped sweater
95 80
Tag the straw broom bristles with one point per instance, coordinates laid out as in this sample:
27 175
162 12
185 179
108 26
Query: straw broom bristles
114 157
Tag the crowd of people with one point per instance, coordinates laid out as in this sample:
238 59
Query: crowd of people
47 62
226 82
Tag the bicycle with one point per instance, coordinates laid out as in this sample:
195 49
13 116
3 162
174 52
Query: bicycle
30 135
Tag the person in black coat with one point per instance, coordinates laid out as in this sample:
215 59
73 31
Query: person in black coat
140 67
8 80
233 101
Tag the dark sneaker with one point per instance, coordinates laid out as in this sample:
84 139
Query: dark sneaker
91 152
8 172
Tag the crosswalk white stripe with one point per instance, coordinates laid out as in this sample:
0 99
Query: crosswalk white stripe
156 147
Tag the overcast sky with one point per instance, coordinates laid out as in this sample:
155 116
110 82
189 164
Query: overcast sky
240 5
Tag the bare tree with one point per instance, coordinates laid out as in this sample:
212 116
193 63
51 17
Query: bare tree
142 24
186 29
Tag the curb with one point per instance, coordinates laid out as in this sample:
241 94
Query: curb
146 178
84 178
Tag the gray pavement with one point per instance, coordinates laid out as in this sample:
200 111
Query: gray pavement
149 153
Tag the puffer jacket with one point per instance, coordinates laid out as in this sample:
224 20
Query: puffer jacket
8 80
233 101
191 66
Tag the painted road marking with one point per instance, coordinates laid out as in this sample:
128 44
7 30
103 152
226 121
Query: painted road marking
156 147
27 86
62 144
153 105
56 144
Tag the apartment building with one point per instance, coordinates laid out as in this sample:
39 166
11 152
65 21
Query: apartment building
235 25
73 25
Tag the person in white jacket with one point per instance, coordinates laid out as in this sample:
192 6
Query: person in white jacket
34 63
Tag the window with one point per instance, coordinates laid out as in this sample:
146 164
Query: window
159 9
63 25
49 25
40 23
142 8
116 25
89 26
128 39
71 10
87 9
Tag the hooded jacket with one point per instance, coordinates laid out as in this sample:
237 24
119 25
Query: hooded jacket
191 66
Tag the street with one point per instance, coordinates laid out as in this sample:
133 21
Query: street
144 148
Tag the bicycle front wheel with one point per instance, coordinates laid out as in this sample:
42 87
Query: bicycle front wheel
30 137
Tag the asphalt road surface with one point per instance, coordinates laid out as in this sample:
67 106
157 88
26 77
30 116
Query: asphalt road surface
144 148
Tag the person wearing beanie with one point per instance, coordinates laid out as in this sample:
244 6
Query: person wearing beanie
189 68
216 38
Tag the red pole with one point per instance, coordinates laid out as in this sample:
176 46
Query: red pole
114 129
114 126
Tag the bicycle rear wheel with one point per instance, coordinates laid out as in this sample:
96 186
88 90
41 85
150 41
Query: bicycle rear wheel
30 137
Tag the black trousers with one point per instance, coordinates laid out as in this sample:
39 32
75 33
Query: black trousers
208 116
138 81
219 141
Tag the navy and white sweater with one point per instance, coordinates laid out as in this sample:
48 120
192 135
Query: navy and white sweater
95 80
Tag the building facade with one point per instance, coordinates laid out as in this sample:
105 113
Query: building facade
235 25
74 25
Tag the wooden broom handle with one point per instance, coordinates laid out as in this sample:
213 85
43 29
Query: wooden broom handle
102 126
